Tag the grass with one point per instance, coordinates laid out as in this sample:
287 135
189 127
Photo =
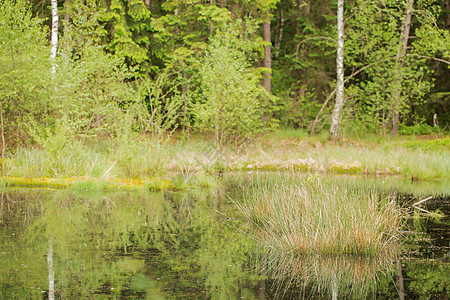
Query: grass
193 161
390 156
314 216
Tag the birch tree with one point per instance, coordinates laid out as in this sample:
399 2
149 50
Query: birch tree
55 21
334 129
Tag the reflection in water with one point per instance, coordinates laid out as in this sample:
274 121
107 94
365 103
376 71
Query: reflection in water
122 245
335 276
51 272
401 286
186 246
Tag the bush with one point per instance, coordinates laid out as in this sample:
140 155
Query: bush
25 70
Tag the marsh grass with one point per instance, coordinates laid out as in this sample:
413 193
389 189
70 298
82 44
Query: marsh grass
190 161
370 158
140 157
314 216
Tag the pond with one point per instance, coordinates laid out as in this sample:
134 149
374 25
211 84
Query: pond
60 244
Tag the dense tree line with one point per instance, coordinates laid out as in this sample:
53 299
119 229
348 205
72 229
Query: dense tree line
230 67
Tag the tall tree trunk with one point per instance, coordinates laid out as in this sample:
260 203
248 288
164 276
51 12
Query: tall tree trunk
304 7
335 117
55 21
211 25
66 16
401 55
267 62
447 18
279 34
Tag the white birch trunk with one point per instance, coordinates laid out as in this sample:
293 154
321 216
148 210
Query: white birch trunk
55 21
335 117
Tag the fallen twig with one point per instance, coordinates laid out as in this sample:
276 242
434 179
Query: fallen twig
421 201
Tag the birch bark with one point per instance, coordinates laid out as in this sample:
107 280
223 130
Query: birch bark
335 117
55 21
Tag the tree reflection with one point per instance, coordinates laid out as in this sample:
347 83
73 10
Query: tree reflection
142 245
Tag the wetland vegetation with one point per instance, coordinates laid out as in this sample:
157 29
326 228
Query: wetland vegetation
197 244
171 149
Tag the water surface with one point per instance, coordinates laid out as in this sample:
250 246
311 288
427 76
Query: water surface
58 244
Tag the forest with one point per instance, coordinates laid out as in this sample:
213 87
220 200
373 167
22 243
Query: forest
74 73
224 149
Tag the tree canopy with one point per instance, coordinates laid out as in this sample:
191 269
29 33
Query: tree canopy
197 65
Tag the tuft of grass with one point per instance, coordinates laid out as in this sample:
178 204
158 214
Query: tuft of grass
315 216
140 157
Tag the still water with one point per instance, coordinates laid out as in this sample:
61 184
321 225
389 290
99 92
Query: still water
59 244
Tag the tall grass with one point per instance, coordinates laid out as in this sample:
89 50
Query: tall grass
131 159
314 216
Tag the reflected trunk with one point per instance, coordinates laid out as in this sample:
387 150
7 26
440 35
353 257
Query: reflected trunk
401 286
51 271
262 289
334 291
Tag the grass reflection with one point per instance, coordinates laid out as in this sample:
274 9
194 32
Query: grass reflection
334 276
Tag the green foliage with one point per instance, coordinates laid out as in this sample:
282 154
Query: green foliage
229 99
162 106
25 70
429 280
418 129
127 25
91 88
372 42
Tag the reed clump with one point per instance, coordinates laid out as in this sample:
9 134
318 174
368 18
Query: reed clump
314 216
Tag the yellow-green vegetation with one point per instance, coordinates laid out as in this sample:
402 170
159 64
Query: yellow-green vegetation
87 183
193 161
375 155
311 215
